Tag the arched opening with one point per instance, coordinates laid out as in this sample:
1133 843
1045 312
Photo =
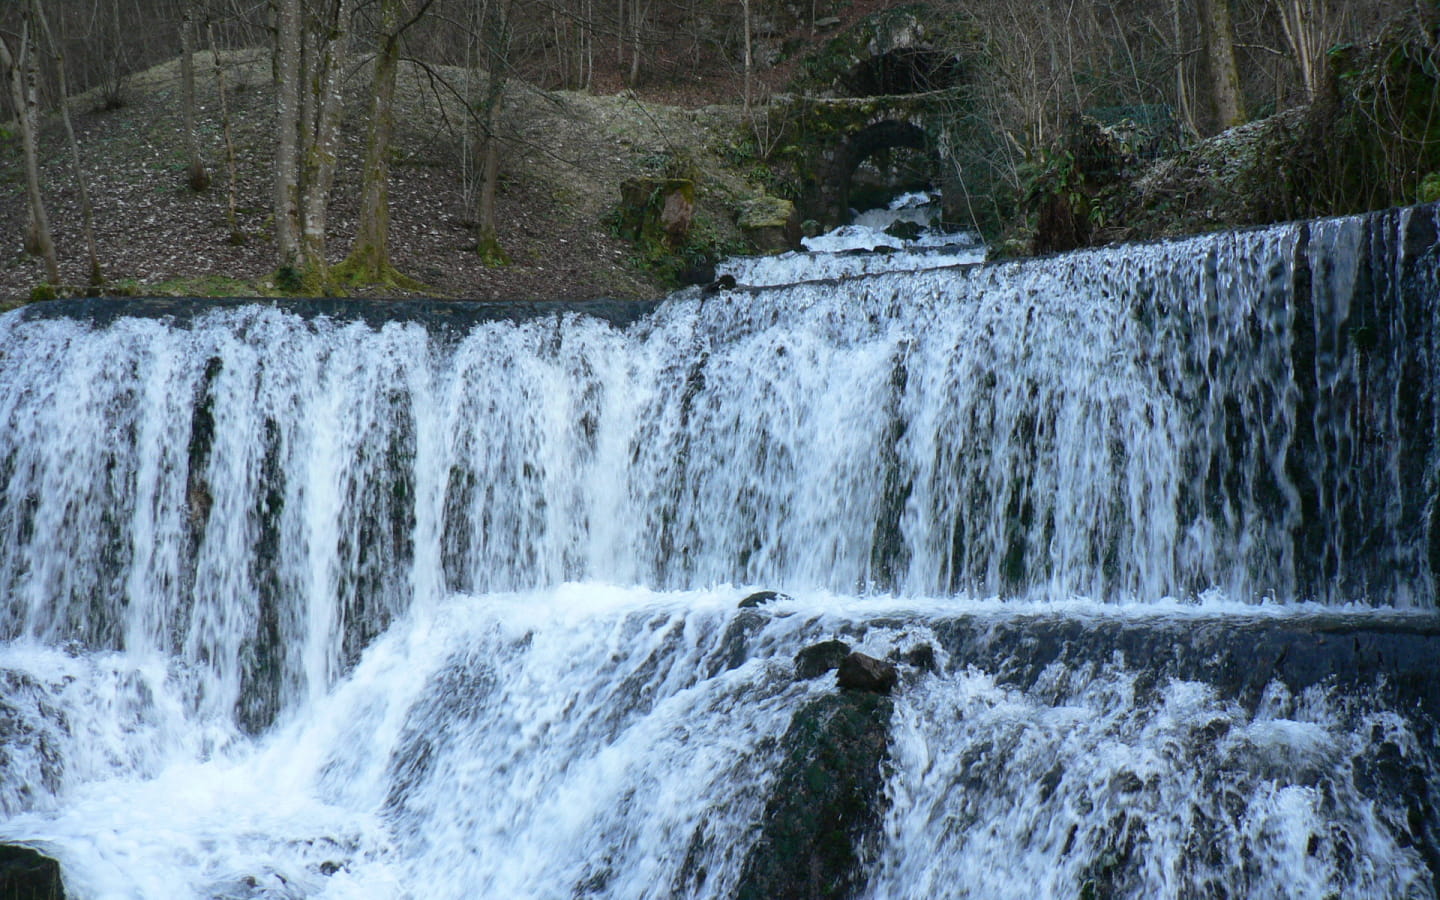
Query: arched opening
905 70
884 161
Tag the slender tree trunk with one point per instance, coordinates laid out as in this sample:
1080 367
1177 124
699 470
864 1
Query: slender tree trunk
637 27
236 235
310 57
322 151
23 89
87 211
495 33
745 19
287 135
1310 27
369 258
198 177
1220 53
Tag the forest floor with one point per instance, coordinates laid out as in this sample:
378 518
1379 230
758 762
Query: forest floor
565 157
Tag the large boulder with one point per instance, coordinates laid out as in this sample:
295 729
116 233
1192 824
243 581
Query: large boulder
656 213
27 874
823 816
770 224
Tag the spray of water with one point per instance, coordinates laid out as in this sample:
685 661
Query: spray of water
293 607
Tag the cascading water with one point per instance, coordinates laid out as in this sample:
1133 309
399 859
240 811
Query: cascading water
296 606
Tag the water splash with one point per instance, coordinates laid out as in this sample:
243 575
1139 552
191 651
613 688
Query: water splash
300 607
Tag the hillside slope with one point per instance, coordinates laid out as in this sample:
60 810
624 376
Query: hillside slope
561 176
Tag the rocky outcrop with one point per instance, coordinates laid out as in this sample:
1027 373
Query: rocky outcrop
770 224
27 874
823 818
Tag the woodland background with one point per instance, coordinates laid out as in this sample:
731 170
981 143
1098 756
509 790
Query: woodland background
478 147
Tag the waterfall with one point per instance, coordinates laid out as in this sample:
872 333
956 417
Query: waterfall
298 604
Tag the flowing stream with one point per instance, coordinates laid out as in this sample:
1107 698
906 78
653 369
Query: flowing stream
297 606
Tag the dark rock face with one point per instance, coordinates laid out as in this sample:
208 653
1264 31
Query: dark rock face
817 659
760 598
823 819
26 874
859 672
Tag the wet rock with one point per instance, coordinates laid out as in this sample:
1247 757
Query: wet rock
905 231
734 646
922 657
32 734
723 283
859 672
823 817
760 598
27 874
817 659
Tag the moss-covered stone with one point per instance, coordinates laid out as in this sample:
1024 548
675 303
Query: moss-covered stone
824 813
770 224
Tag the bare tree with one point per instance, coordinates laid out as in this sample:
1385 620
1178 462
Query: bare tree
492 30
369 258
232 179
24 87
87 211
197 176
310 44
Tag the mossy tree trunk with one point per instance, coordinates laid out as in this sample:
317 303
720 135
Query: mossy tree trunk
286 69
24 77
310 38
1220 59
494 33
369 258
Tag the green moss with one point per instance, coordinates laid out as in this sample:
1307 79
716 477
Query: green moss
362 272
1429 188
42 292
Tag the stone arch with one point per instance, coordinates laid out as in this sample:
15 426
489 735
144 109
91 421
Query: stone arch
902 157
903 71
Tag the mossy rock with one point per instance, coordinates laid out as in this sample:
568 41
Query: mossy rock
770 224
823 817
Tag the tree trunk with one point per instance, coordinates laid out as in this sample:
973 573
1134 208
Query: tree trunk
1220 55
495 33
745 19
309 59
23 78
287 135
318 174
236 235
1310 27
197 176
87 211
369 258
